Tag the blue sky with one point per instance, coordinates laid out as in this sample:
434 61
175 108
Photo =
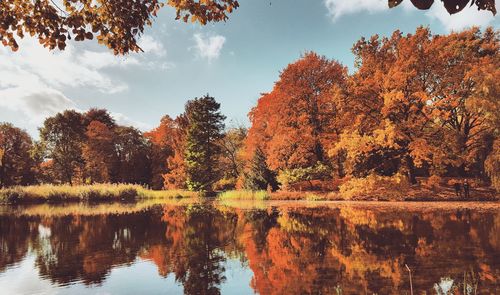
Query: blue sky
233 61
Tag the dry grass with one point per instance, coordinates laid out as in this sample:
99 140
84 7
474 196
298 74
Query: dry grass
96 192
244 195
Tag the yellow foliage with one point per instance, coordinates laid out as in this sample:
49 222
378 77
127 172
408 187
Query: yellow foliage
387 187
433 182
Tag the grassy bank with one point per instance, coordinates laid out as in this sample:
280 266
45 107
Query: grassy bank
417 193
40 194
78 193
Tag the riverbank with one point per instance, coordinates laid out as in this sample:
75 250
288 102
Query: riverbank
90 193
128 192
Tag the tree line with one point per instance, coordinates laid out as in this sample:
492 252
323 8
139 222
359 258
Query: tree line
416 105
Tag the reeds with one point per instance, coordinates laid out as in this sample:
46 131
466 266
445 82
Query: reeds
75 193
244 195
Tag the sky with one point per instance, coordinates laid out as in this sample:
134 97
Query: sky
234 61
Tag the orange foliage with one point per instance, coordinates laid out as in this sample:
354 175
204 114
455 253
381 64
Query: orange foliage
294 124
168 141
98 152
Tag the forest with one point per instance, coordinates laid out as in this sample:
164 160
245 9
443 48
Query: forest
418 112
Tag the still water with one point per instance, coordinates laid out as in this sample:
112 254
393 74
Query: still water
208 247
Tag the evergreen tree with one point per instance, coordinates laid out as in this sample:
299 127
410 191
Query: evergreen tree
260 176
206 124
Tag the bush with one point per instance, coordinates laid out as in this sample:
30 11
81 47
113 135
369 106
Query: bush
433 182
382 187
226 183
288 177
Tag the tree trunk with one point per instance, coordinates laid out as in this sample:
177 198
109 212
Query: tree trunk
410 169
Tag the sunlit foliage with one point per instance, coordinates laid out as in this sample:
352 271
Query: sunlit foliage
117 24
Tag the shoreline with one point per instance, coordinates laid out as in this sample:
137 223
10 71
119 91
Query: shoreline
129 193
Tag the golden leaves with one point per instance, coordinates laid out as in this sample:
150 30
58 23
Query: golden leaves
116 24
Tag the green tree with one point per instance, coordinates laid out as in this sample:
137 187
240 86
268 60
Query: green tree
206 124
16 162
259 176
63 136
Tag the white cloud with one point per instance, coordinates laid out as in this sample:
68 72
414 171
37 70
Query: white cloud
209 47
100 60
33 67
468 17
38 104
338 8
33 80
35 104
150 45
123 120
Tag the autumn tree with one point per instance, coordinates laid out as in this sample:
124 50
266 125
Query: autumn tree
176 175
115 24
168 146
63 136
296 122
465 99
100 115
16 163
99 153
133 151
232 160
206 124
118 24
161 139
410 92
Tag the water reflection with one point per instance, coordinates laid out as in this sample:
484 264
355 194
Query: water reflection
339 249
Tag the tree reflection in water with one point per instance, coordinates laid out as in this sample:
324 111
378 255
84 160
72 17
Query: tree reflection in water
290 250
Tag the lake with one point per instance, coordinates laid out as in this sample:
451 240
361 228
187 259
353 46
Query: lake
238 247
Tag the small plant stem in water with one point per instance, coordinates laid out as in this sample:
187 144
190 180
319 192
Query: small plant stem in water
411 285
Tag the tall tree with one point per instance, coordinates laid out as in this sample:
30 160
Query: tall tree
411 92
206 124
466 97
259 176
16 163
160 138
99 153
100 115
134 156
63 135
232 161
176 175
296 122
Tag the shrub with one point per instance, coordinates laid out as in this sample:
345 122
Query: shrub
433 182
226 183
382 187
288 177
